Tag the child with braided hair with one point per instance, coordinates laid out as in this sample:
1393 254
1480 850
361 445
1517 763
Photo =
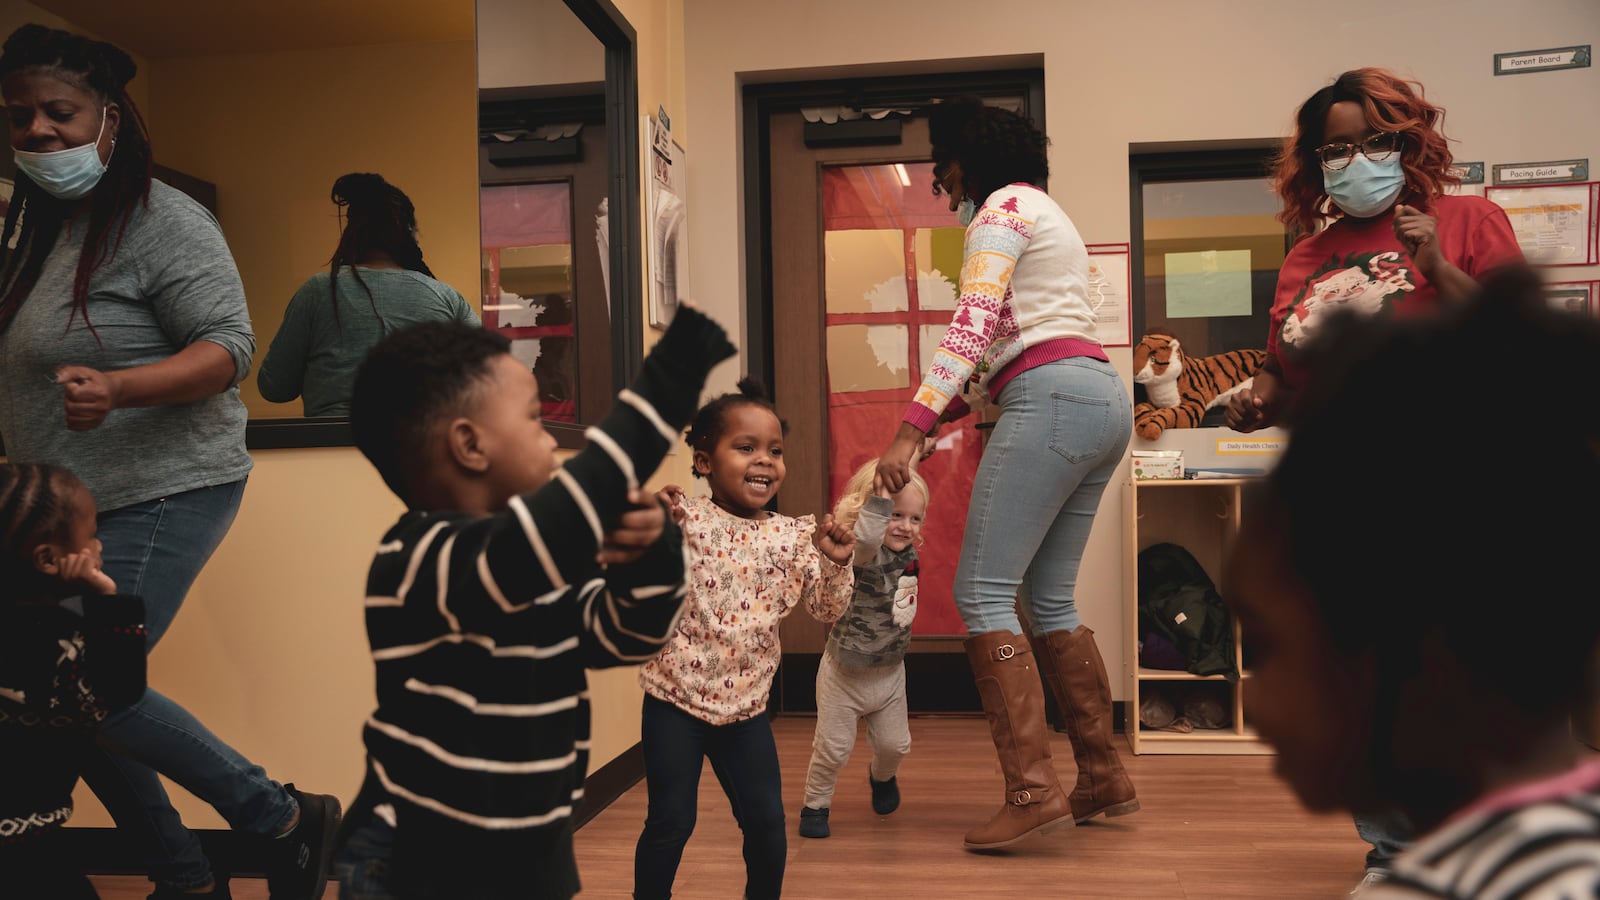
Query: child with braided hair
71 652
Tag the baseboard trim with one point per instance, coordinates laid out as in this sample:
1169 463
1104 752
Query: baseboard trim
105 852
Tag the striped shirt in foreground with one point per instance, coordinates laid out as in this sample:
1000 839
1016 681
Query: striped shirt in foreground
482 628
1532 842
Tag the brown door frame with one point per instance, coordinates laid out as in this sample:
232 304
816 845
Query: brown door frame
794 367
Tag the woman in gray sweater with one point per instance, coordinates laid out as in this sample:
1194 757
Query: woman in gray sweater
123 335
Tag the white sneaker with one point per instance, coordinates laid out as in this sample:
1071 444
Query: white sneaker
1373 877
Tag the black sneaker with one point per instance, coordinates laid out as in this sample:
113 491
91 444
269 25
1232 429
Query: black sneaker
813 822
885 796
219 891
298 867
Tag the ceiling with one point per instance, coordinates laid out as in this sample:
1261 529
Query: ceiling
167 29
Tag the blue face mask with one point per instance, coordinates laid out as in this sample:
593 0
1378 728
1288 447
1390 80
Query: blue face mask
966 212
1365 188
66 174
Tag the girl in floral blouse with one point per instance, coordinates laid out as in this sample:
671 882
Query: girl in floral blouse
706 694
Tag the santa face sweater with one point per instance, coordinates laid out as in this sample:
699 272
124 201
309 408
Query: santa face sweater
1359 265
481 631
876 628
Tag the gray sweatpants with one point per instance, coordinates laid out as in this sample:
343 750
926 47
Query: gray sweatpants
846 695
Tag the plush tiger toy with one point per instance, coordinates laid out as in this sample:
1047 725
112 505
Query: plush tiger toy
1181 389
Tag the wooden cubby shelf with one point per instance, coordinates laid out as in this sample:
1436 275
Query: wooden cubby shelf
1201 515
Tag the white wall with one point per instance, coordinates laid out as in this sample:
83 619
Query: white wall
1123 73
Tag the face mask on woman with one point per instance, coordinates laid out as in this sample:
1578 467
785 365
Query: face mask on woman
966 212
1365 188
67 174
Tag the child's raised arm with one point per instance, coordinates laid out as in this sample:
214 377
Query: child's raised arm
871 525
549 541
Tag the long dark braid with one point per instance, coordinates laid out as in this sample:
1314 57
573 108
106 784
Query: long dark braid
34 507
35 218
379 218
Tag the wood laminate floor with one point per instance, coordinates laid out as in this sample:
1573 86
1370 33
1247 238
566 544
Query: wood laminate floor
1210 827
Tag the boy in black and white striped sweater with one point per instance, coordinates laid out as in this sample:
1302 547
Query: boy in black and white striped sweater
505 580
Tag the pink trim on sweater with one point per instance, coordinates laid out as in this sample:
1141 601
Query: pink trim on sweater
921 417
1047 352
1581 779
924 418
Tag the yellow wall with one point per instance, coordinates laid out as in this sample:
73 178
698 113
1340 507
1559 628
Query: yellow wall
273 131
270 651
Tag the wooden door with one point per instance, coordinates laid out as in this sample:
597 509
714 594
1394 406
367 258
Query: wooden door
865 261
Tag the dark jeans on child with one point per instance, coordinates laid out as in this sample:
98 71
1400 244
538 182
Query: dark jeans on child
745 759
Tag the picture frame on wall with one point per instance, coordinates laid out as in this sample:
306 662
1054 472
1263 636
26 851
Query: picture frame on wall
1109 295
1555 224
666 215
1581 297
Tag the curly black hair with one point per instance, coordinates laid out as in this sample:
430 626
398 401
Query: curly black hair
994 146
408 382
1392 555
712 418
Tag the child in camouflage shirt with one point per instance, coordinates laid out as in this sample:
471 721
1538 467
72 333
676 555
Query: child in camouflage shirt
862 674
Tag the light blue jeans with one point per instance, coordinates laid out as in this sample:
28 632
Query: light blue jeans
156 549
1062 433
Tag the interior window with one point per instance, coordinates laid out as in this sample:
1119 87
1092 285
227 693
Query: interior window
1206 247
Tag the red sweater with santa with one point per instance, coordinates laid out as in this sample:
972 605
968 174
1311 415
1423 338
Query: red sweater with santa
1359 264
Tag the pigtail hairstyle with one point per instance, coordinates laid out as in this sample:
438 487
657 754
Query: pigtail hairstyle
710 420
995 147
33 510
379 218
1390 103
35 218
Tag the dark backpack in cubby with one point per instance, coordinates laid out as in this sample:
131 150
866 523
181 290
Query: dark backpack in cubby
1179 602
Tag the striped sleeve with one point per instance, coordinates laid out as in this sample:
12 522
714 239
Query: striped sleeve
629 615
1550 849
562 526
994 243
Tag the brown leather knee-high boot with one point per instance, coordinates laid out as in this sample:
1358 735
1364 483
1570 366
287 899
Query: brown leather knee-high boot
1013 702
1077 676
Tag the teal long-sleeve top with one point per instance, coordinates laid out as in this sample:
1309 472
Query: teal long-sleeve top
315 356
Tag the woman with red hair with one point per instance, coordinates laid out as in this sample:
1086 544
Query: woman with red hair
1363 180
